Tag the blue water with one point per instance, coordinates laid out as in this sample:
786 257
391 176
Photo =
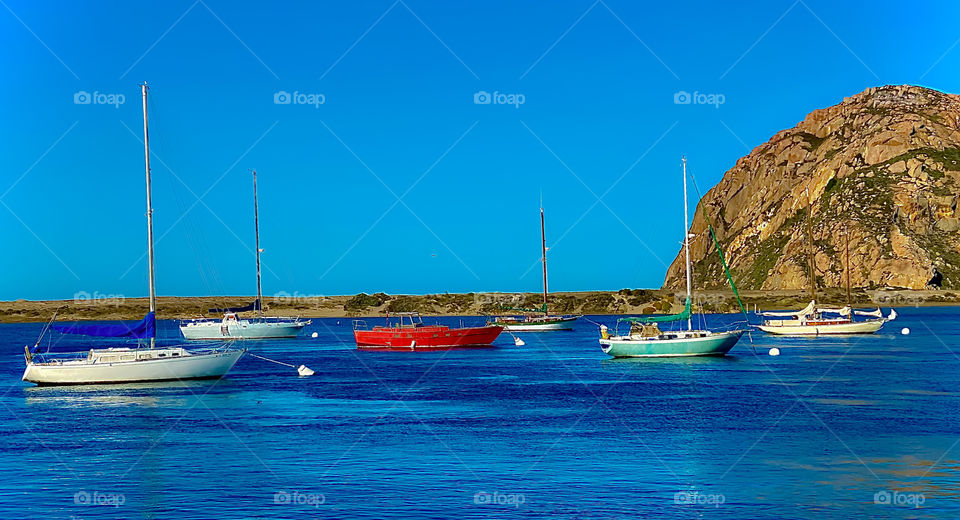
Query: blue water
826 429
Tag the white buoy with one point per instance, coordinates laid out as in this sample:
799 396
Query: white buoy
905 331
302 369
774 351
314 335
518 342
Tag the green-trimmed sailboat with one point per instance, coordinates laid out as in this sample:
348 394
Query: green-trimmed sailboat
645 338
534 321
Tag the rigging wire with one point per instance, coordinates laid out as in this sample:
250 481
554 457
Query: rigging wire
726 269
195 238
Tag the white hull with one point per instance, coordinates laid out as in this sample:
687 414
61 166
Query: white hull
535 327
130 365
681 344
565 323
855 327
240 329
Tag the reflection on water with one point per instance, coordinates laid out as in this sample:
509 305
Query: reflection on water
819 431
170 393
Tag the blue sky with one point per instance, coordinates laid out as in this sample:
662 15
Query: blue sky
399 181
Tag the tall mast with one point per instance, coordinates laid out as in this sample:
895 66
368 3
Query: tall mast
146 159
256 227
846 238
813 273
543 242
686 238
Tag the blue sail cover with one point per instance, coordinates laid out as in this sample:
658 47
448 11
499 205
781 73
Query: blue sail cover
147 328
254 306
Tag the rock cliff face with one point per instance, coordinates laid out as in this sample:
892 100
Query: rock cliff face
882 166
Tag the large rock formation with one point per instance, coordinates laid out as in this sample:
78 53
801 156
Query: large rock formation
884 165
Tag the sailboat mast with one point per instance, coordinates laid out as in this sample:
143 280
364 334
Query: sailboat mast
813 274
686 238
146 158
846 238
543 243
256 227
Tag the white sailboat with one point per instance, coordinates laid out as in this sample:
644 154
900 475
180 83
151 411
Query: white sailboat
645 338
813 320
535 321
129 365
231 326
816 320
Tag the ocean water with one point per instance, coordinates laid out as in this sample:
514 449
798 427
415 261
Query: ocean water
852 427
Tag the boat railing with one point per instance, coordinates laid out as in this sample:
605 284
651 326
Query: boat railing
59 357
223 346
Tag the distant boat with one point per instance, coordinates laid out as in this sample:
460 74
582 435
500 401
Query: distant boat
410 334
815 320
128 365
645 339
534 321
233 327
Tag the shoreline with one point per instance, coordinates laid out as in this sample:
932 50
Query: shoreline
624 301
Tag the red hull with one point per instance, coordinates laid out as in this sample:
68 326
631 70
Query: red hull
433 337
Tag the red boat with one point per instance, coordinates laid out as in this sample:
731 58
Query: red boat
417 336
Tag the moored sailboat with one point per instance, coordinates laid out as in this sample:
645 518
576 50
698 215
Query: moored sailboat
816 320
645 339
537 320
233 327
146 362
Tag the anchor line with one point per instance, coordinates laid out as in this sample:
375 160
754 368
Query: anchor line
271 360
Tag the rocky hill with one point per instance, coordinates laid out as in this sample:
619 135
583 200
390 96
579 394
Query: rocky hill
882 166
